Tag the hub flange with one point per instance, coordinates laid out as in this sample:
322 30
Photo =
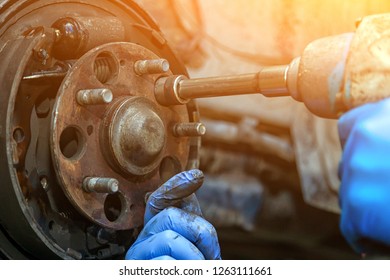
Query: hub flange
128 139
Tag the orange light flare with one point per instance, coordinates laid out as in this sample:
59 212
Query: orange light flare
282 28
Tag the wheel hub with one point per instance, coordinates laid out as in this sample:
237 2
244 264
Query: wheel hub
136 136
123 138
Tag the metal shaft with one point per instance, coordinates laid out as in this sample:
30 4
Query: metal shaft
270 81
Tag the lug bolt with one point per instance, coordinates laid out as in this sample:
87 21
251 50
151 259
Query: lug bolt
153 66
189 129
94 96
100 185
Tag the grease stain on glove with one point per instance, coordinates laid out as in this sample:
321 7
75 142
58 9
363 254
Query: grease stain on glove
174 226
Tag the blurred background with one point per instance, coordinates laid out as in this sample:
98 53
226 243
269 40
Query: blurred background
271 166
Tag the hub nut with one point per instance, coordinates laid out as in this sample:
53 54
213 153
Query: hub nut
135 135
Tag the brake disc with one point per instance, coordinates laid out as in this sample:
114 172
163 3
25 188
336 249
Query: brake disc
82 138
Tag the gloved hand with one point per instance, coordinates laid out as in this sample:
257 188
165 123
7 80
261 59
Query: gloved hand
173 226
365 175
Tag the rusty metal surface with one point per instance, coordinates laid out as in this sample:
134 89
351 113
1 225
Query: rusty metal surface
134 136
17 215
76 35
321 72
40 220
126 139
367 70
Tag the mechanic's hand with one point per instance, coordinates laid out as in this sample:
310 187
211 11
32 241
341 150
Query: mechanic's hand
174 228
365 175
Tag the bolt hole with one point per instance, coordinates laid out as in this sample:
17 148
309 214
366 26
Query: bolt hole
72 143
89 129
113 206
105 67
169 167
18 135
51 225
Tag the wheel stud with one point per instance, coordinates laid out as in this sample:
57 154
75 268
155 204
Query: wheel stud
153 66
100 185
94 96
189 129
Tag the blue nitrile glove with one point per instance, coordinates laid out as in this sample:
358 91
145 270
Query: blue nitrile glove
174 228
365 175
